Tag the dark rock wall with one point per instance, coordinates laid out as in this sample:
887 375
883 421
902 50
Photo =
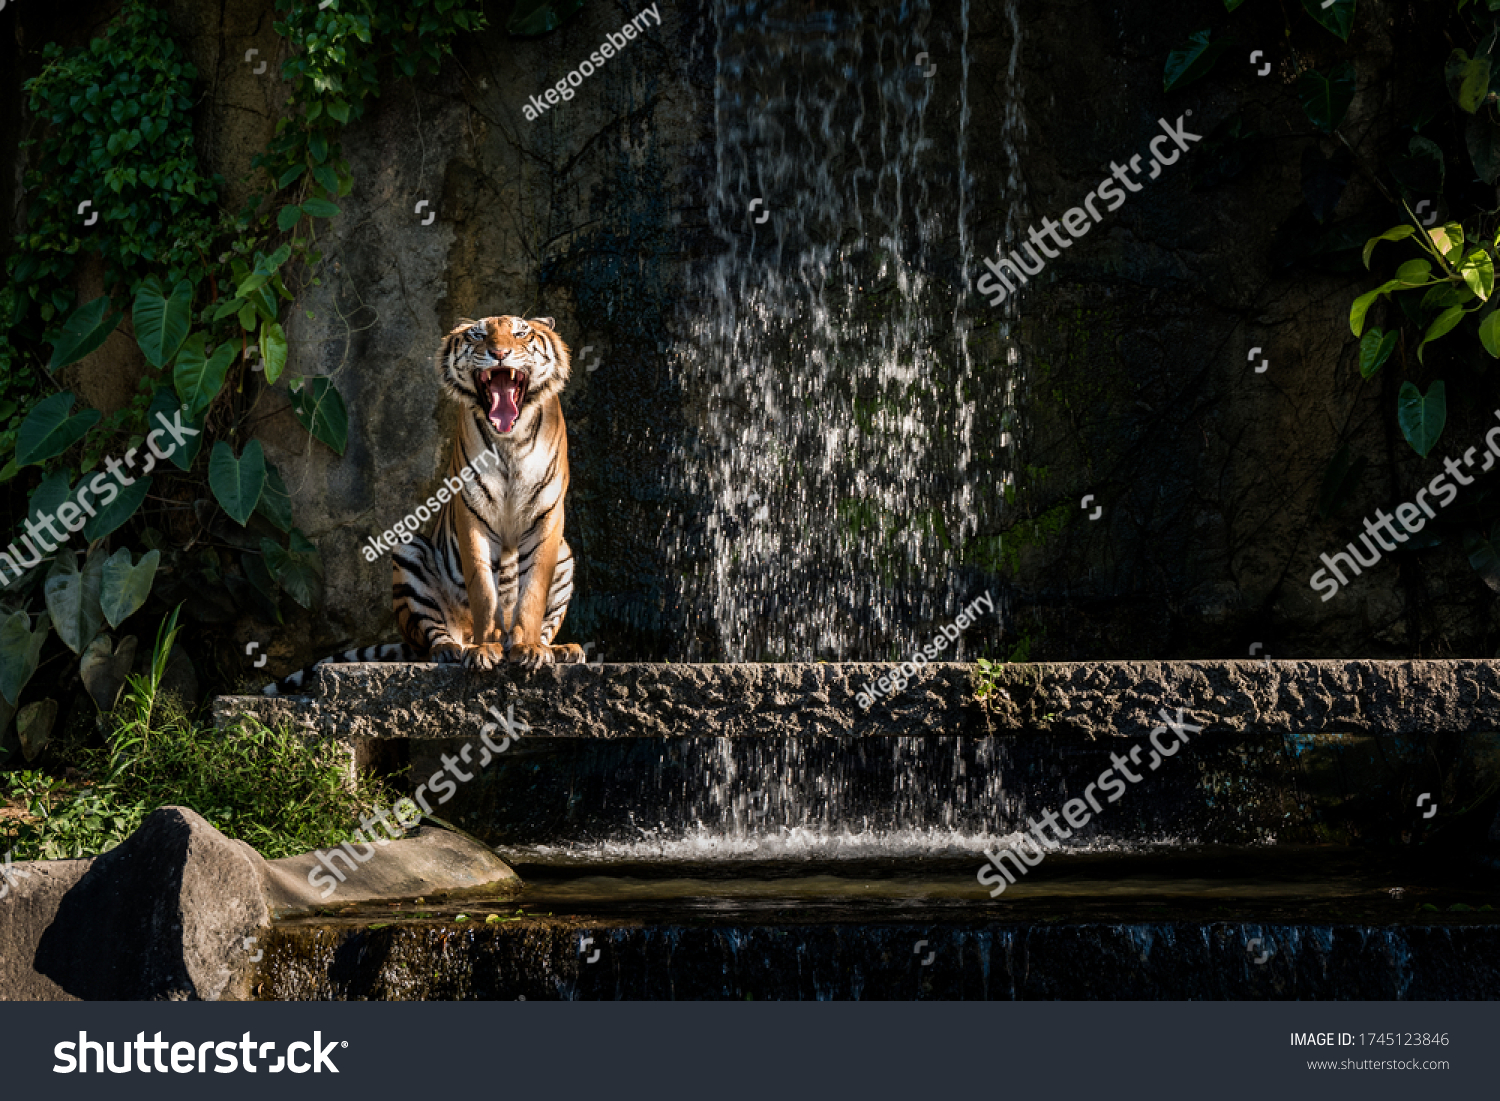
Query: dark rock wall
1128 357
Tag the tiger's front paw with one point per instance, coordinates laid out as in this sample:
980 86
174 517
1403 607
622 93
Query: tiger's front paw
569 654
447 653
489 656
530 656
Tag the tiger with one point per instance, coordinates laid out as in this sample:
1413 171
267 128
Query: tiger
492 580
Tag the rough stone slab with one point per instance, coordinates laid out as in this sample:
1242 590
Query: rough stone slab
362 702
174 912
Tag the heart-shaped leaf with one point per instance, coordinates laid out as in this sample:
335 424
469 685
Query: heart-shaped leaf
1422 417
275 502
1326 97
1389 235
1192 62
199 377
1468 80
1489 333
1336 16
166 411
84 331
297 569
1440 327
44 503
1414 273
20 647
1374 350
1449 239
161 323
237 482
272 350
120 509
73 598
34 726
104 667
48 430
321 410
126 586
1478 271
1363 303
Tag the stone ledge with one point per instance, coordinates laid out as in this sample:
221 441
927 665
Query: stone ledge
370 702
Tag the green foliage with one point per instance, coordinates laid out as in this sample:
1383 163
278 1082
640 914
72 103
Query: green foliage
986 682
1326 97
114 173
321 410
50 429
536 17
237 482
274 789
1192 62
1435 295
85 330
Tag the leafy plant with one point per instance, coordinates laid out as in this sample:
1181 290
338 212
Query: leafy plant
204 290
274 789
1439 288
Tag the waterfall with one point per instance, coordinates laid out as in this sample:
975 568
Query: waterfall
826 363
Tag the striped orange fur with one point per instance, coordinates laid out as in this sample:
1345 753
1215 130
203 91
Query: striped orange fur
493 581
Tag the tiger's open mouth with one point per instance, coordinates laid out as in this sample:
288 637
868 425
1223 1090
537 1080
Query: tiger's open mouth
503 389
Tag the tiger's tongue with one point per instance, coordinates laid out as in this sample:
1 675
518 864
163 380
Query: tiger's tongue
503 407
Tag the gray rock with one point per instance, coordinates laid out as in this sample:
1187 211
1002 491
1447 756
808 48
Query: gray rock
163 916
175 911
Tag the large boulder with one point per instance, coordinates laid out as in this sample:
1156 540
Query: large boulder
174 912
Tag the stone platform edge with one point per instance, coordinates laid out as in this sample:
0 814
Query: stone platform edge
378 701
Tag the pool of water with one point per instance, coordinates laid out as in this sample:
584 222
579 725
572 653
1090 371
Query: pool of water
1282 883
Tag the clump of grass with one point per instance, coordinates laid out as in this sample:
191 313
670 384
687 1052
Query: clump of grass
275 789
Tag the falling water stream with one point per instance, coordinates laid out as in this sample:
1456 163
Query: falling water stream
830 366
837 446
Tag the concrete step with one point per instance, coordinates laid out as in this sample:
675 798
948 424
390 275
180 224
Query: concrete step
1141 754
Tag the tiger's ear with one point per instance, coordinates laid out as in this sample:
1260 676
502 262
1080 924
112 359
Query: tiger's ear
547 321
